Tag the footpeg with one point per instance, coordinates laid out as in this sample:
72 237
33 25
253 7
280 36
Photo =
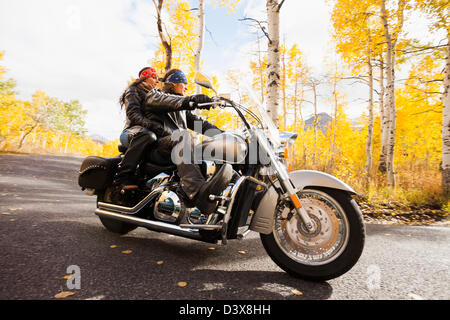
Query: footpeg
213 197
127 188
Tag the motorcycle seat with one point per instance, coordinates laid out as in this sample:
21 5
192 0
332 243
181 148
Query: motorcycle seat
155 163
153 170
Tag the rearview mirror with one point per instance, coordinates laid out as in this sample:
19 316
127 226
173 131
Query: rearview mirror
203 80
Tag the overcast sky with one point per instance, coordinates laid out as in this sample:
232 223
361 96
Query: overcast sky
88 50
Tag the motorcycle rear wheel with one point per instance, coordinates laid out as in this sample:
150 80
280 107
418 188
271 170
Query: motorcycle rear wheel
331 249
112 225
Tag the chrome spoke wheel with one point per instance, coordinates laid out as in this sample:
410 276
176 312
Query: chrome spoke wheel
327 240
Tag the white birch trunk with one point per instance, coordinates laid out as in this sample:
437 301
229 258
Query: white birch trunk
370 124
67 143
261 76
295 103
44 143
446 124
273 65
390 98
201 34
333 152
383 122
167 46
314 123
284 91
392 124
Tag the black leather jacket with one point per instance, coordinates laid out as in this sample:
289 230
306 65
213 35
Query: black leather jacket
134 99
173 113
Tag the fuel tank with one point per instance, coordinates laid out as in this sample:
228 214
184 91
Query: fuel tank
225 147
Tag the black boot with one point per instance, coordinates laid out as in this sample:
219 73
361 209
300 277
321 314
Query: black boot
125 176
213 186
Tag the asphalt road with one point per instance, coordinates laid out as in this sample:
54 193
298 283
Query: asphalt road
48 225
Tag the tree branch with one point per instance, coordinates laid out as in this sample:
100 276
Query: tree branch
279 6
431 110
422 90
210 34
422 49
263 29
167 44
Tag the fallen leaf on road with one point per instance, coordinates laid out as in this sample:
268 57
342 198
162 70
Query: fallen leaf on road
212 248
414 296
12 220
159 262
113 246
127 251
5 213
64 294
182 284
242 251
68 276
100 297
297 292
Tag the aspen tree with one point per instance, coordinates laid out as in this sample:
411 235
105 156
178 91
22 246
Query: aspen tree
391 33
439 12
273 65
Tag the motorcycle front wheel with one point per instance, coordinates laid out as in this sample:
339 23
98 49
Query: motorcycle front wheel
331 249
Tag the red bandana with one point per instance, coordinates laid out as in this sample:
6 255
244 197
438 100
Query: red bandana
148 72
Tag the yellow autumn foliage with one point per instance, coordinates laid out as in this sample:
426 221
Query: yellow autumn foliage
339 148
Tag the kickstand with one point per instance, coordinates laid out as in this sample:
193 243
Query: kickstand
224 233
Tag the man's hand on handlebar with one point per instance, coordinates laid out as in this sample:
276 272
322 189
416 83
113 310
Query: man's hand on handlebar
200 101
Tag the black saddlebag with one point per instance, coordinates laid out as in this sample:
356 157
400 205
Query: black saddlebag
97 172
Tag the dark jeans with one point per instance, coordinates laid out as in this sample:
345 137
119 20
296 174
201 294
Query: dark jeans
189 173
137 146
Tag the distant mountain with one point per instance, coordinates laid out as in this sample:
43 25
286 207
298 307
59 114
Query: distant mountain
356 123
323 119
99 139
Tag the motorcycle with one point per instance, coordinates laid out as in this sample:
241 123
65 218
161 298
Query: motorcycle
308 222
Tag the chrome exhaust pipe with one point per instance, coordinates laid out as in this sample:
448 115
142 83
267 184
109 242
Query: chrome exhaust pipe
129 210
151 224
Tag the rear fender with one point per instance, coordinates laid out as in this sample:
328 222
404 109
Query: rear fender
262 221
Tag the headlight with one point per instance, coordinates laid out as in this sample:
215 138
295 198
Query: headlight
288 138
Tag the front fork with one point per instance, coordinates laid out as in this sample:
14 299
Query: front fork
292 194
285 181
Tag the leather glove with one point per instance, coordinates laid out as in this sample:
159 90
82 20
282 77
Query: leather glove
199 99
160 132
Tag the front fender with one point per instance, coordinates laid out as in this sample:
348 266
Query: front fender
262 221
